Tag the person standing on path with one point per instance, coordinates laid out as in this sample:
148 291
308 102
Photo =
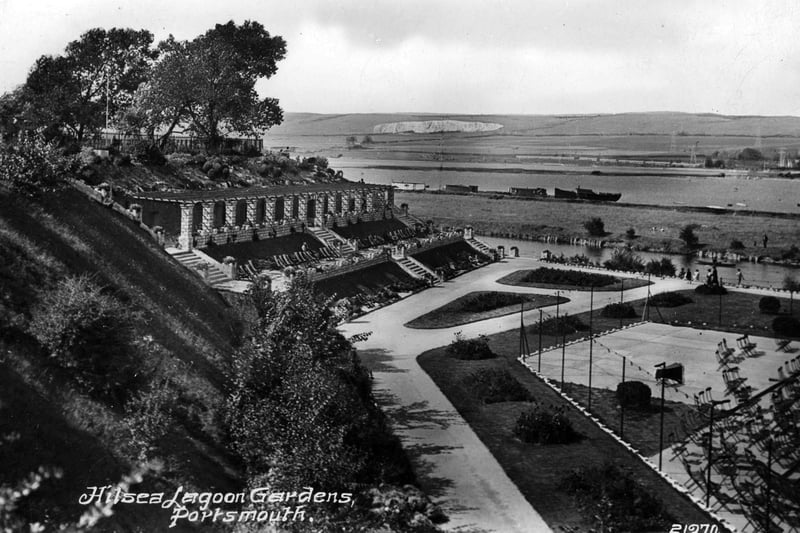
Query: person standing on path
766 239
739 277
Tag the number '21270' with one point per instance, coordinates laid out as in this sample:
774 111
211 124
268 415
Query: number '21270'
694 528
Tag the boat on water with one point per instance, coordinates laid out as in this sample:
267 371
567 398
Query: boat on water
569 195
588 194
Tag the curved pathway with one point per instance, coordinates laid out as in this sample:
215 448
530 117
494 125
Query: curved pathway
453 465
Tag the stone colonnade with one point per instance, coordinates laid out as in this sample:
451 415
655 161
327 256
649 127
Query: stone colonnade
231 214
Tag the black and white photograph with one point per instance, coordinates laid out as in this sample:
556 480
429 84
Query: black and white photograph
417 266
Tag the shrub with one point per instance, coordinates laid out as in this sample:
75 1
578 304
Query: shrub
545 426
619 310
769 305
565 325
791 253
31 166
670 299
488 301
630 233
496 385
595 226
558 276
148 153
616 500
625 260
88 334
736 245
688 236
634 394
786 326
660 267
470 349
714 290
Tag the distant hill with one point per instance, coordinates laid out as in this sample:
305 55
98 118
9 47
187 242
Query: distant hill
665 123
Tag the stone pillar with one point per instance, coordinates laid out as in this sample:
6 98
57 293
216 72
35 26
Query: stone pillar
250 213
185 238
269 210
230 212
370 201
208 217
332 202
301 207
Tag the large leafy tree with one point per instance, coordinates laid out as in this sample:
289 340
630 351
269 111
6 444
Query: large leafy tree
207 85
98 73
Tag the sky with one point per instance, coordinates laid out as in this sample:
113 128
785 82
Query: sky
471 56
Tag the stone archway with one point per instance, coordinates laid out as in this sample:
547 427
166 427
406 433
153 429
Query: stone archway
219 214
261 211
197 217
280 208
241 213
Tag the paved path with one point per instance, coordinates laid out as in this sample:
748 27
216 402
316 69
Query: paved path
454 466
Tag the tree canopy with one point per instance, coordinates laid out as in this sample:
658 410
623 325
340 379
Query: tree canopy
208 84
70 94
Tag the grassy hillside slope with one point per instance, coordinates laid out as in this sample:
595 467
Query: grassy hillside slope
45 420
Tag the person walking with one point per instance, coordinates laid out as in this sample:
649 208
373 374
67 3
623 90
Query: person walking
697 274
739 277
765 240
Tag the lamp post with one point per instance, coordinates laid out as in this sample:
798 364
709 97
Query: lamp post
712 404
622 405
661 431
591 306
540 341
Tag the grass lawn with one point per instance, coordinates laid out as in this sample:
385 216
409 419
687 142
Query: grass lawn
480 305
740 313
573 280
501 216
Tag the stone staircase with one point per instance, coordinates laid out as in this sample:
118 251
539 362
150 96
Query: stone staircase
415 268
409 220
190 260
329 238
478 245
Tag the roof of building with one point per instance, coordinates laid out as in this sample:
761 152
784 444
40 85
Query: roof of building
238 193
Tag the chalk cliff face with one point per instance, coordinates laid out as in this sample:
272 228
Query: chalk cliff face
435 126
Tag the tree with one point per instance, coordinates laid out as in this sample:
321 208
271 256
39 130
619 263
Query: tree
750 154
208 84
99 72
595 226
792 285
688 236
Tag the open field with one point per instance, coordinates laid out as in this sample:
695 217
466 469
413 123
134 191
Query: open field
505 215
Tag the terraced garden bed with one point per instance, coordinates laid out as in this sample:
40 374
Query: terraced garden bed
481 305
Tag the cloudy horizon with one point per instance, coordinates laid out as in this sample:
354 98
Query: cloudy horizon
489 57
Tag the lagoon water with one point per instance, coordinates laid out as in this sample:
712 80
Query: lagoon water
740 191
755 274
